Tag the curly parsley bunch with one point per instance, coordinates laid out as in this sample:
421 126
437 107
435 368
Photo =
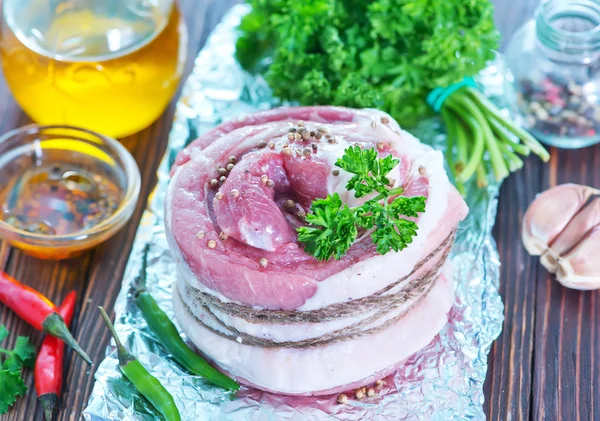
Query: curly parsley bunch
387 54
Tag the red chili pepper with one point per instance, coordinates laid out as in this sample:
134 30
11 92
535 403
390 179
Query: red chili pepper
49 363
38 311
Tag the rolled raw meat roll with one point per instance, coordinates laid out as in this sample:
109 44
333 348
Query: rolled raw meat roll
249 296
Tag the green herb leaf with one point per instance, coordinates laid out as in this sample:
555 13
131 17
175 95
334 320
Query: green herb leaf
407 206
370 171
11 387
332 231
393 235
24 351
380 53
333 226
11 384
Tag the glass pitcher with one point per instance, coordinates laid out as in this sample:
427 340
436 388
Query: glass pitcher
111 66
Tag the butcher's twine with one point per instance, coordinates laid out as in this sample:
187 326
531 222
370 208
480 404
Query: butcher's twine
379 304
438 96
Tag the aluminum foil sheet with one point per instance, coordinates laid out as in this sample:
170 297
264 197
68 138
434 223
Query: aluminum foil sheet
443 381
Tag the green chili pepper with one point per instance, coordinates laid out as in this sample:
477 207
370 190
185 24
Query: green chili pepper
144 382
166 332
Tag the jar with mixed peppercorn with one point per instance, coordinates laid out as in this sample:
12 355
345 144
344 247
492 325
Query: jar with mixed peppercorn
555 84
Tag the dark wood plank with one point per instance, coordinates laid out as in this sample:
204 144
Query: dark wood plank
566 384
508 383
96 275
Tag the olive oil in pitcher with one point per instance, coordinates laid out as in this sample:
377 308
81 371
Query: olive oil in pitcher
110 66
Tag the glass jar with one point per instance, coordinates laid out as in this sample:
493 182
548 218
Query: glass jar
111 66
554 61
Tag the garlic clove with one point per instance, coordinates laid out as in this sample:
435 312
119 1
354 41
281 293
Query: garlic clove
575 230
549 214
549 260
580 268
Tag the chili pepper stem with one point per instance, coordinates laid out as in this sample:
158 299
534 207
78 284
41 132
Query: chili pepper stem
55 326
148 385
48 402
122 353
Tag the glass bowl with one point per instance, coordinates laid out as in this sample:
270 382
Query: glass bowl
28 151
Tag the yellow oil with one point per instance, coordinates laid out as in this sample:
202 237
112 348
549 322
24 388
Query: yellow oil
116 94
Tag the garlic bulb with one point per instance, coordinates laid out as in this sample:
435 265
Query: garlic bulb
581 224
580 268
549 214
562 227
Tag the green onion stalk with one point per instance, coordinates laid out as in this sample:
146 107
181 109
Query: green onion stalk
476 127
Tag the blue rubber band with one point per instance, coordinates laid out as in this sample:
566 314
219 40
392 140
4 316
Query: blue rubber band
438 96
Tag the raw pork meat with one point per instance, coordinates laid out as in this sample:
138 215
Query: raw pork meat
261 308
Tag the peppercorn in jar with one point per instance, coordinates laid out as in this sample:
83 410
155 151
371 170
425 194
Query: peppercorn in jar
553 62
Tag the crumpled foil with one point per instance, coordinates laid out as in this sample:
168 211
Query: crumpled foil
443 381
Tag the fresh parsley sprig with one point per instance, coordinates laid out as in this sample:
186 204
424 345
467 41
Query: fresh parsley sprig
11 363
333 226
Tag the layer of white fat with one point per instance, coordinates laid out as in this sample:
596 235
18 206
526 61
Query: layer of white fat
281 332
367 277
298 371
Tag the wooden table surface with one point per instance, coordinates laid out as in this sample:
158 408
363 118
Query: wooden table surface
543 366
